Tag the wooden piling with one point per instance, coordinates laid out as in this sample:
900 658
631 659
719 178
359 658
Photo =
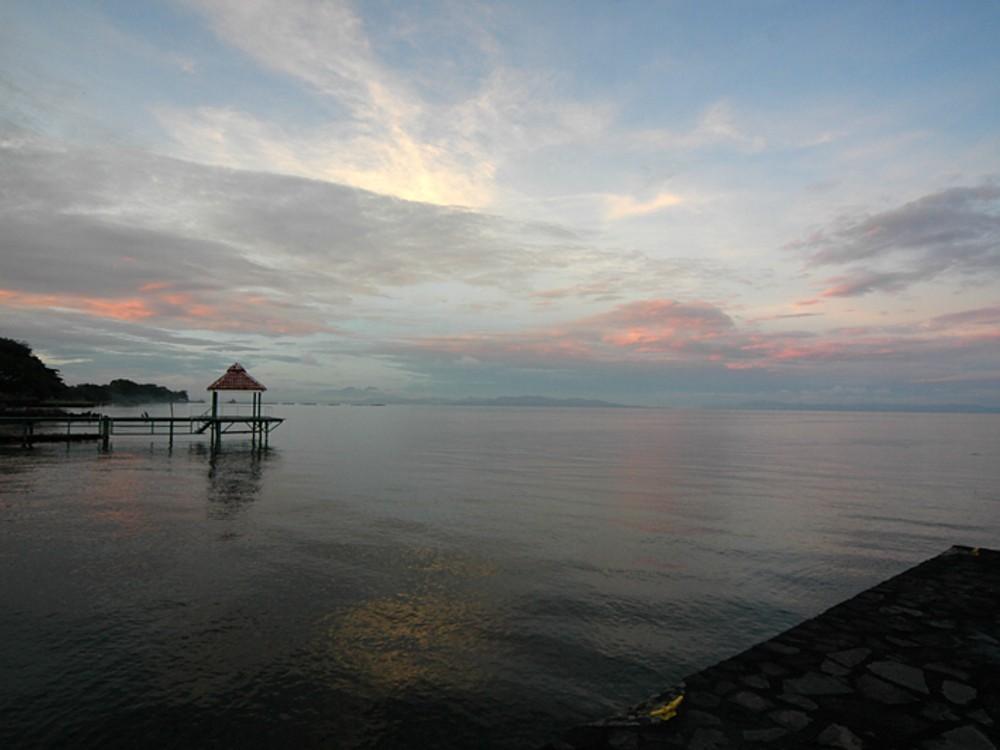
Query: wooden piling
78 428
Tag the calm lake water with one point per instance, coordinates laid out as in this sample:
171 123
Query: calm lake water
447 576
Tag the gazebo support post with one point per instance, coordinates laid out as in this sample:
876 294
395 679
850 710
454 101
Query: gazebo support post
236 378
215 419
265 431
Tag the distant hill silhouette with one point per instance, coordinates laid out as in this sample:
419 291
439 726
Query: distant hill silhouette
24 378
538 401
124 392
370 395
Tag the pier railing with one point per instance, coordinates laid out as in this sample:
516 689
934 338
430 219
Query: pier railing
27 430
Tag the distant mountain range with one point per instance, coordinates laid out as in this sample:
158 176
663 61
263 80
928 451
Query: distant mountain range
918 408
538 401
372 395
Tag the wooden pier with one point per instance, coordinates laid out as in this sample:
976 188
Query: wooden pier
28 430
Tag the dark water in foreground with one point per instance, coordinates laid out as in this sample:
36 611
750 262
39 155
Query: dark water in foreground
447 577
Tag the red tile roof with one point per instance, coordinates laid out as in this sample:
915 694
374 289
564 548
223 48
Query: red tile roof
236 379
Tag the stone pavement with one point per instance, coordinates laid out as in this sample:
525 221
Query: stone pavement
912 663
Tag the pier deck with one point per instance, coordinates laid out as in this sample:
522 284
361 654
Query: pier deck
27 430
913 662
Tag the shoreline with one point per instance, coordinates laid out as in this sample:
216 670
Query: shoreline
913 661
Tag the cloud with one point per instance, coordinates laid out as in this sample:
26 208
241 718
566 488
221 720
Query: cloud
863 282
657 328
988 376
184 63
322 44
390 161
652 322
716 127
954 231
116 236
625 206
660 327
784 316
976 317
697 337
114 220
213 310
388 133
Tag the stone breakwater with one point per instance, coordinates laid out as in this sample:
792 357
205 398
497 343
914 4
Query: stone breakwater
912 663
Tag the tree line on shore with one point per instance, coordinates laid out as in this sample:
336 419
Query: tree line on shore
25 379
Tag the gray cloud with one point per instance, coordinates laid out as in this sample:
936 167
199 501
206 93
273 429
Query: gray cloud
861 282
124 251
953 231
104 221
978 316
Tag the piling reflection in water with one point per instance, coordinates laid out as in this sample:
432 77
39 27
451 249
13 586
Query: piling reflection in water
234 478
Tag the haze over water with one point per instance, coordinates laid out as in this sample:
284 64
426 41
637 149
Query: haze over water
447 576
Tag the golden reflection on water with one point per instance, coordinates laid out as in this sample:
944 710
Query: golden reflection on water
432 635
430 560
395 642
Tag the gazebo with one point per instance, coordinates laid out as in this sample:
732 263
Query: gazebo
236 378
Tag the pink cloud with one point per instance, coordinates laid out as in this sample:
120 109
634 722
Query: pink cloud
158 302
153 286
700 334
114 308
656 329
667 312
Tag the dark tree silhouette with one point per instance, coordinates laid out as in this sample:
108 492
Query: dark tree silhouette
24 376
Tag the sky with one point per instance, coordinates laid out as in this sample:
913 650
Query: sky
655 203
